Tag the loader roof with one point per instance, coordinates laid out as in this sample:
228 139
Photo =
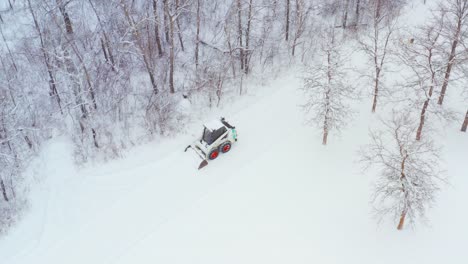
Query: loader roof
214 125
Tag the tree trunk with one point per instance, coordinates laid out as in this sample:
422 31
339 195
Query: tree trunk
422 120
465 123
197 39
378 9
179 33
228 37
171 52
166 22
358 9
327 99
376 89
298 26
94 137
239 20
247 39
66 17
4 192
156 28
288 4
450 63
325 134
104 50
401 223
345 15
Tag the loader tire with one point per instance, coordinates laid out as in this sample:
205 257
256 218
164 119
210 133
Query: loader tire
213 154
226 147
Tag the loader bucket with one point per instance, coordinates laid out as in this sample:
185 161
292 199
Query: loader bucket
203 164
197 158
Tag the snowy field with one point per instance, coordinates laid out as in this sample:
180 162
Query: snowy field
278 197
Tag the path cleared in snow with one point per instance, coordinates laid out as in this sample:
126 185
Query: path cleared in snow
279 196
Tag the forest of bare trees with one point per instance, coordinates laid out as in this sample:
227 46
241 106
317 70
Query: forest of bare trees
405 152
110 74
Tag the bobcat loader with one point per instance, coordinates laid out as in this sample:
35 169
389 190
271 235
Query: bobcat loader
218 137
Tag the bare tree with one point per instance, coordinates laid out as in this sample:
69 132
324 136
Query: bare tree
425 64
299 24
408 170
134 27
376 47
456 28
52 83
105 41
326 89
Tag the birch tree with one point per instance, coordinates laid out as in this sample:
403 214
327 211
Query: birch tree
455 31
425 66
137 35
407 171
376 48
326 89
300 21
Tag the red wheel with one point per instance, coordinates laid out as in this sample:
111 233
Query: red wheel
214 154
226 147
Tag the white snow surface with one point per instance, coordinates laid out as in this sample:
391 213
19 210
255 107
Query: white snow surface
278 196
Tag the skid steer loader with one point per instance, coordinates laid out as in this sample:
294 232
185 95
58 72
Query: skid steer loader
218 137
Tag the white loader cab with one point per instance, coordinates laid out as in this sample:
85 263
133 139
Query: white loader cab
218 137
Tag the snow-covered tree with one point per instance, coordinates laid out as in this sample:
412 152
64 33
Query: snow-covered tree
454 16
376 45
407 170
425 72
326 88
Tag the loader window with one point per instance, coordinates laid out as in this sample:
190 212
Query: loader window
207 136
211 136
219 132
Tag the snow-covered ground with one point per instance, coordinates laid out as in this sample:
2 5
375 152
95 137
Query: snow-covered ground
279 196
